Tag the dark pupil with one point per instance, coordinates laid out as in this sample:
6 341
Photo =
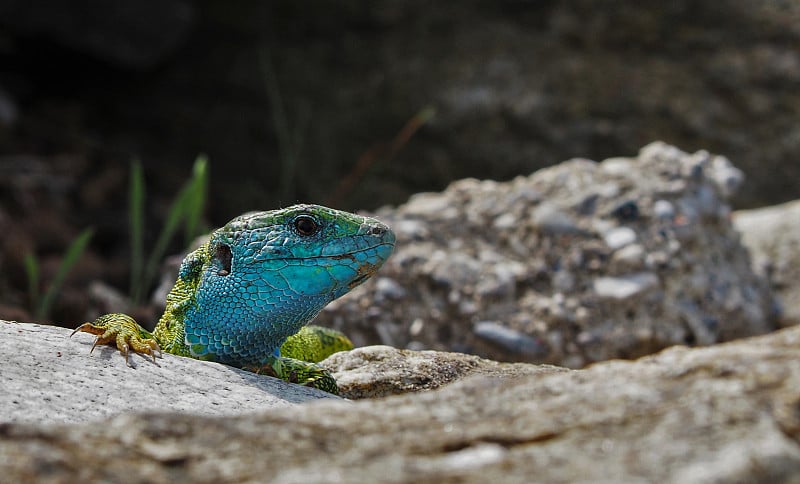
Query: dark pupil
305 225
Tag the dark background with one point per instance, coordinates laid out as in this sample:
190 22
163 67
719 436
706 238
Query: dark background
330 102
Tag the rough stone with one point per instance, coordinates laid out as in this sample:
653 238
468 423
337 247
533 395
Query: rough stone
379 371
49 378
512 341
633 254
725 413
663 209
622 288
619 237
773 236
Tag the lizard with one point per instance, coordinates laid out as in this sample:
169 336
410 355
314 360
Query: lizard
244 297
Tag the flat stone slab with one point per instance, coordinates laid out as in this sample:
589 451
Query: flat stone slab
48 377
724 413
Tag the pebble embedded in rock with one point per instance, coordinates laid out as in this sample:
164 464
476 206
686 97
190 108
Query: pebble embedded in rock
619 237
505 221
663 209
389 288
626 211
510 339
411 229
563 280
626 286
632 255
553 220
727 177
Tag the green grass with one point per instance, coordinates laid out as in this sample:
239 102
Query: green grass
136 197
186 211
40 305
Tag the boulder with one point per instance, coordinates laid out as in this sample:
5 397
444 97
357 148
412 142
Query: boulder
772 234
379 371
725 413
576 263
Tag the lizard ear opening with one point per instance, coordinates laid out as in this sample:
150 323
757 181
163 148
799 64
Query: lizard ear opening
224 256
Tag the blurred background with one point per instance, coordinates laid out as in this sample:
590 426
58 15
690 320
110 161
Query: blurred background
354 104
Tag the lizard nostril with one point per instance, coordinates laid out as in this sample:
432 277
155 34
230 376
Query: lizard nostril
378 230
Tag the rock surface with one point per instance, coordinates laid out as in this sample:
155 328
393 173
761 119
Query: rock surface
48 378
772 235
379 371
726 413
574 264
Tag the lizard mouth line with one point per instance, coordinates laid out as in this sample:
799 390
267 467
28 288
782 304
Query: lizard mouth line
342 255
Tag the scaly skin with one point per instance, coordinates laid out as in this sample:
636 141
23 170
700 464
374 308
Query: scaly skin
245 297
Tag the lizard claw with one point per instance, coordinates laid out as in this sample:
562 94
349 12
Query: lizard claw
124 332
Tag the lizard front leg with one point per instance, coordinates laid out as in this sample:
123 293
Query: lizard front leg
315 343
297 371
300 351
124 331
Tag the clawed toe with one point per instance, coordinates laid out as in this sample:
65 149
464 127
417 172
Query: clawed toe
124 332
87 328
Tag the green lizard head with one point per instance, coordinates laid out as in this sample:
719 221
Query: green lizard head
266 274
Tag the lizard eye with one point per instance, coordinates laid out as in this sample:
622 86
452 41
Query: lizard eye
224 256
305 225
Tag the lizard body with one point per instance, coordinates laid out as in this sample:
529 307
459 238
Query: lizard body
244 298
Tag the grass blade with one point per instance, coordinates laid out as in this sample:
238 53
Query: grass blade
136 197
196 198
173 222
32 272
74 252
186 210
